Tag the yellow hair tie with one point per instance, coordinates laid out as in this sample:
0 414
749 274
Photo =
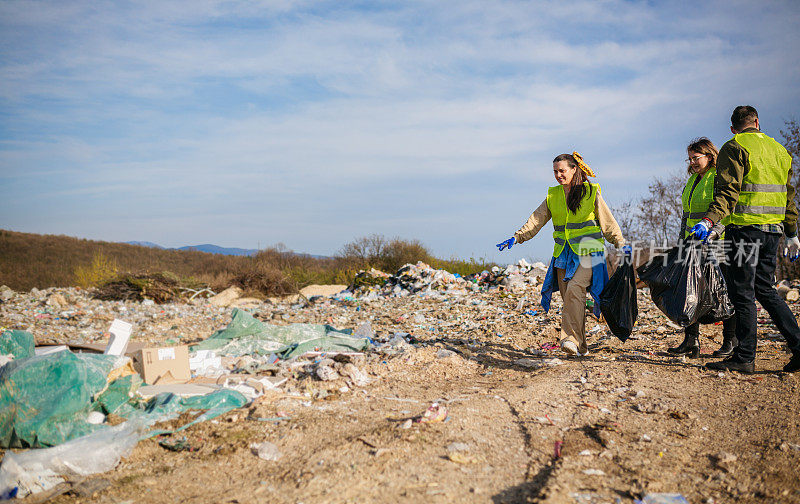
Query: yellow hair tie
582 165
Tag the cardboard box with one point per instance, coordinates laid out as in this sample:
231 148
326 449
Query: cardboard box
120 334
163 365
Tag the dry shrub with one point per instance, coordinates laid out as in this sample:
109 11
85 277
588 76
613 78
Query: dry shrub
217 282
375 251
263 274
399 252
102 270
160 287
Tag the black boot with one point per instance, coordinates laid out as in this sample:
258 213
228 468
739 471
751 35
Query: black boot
687 347
728 344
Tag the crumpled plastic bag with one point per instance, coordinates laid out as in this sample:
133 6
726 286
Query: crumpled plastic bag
35 471
247 335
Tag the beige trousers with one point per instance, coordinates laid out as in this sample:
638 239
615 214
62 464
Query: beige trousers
573 315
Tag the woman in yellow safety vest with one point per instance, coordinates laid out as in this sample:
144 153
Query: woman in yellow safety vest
581 219
696 196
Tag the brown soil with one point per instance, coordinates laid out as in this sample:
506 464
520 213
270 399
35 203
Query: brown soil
630 419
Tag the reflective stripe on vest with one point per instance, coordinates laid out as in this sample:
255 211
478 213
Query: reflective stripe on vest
580 230
762 197
577 225
695 202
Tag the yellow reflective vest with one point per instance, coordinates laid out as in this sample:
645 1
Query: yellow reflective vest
696 197
580 230
762 197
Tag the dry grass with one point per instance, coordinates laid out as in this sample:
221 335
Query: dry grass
30 260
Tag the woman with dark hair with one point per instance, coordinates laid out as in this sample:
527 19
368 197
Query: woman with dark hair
696 196
581 219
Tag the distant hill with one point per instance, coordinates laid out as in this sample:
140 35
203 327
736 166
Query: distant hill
145 244
216 249
206 247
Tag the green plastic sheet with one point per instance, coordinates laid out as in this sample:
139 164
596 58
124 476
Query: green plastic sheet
17 343
118 397
246 335
167 405
44 400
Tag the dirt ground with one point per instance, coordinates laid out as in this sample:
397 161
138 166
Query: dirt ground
626 421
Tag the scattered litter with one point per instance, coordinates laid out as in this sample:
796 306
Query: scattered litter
326 373
35 471
529 363
175 443
662 498
462 458
95 418
435 413
266 451
725 460
120 334
454 447
593 472
246 335
557 449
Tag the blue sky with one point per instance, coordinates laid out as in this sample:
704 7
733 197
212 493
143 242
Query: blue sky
245 123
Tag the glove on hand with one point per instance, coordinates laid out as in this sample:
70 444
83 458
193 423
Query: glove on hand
792 248
506 244
701 229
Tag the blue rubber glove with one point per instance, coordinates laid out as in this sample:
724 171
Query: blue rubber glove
701 229
506 244
627 250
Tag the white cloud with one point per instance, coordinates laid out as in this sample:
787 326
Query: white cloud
197 104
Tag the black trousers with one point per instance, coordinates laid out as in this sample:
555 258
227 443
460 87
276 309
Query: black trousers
752 257
728 325
728 329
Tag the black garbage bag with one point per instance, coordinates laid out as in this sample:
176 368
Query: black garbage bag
618 301
716 292
677 283
658 273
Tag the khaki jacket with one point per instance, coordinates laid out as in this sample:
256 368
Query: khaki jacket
608 225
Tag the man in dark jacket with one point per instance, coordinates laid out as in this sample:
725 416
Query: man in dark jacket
753 186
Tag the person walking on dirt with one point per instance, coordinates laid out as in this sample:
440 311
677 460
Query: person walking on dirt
753 186
696 198
581 219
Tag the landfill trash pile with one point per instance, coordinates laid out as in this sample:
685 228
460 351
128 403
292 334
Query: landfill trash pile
424 280
380 395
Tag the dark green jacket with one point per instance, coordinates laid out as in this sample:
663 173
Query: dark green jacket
732 165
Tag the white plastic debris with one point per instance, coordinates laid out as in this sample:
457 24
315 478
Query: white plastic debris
35 471
266 451
96 418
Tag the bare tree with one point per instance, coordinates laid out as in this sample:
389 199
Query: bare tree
791 140
655 217
367 249
627 218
